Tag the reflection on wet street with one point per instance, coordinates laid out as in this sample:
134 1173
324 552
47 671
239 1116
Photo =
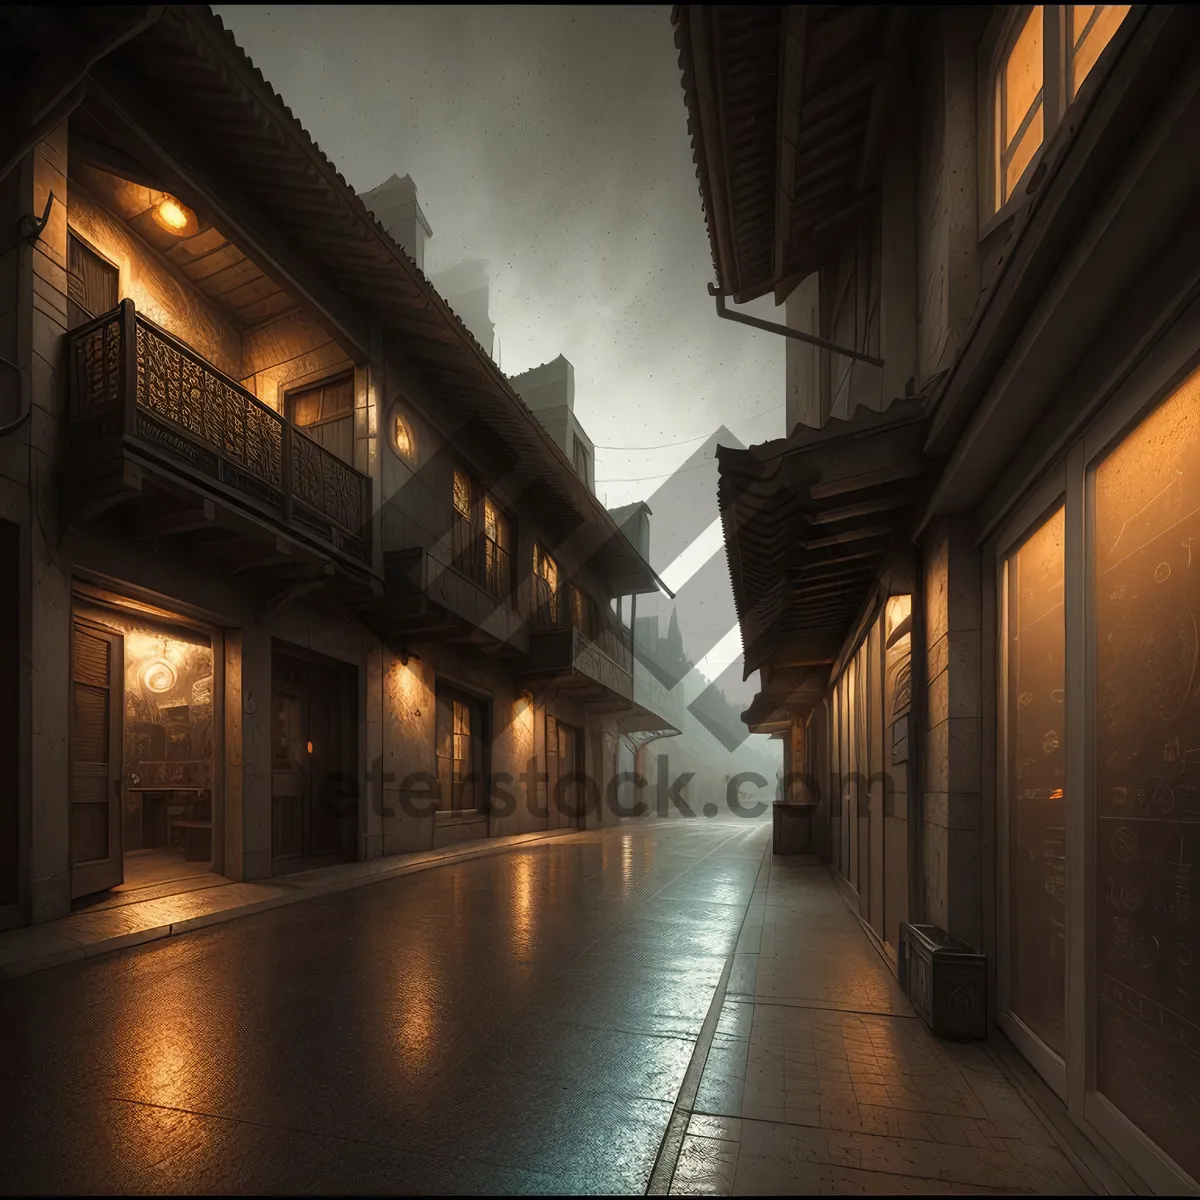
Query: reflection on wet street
518 1022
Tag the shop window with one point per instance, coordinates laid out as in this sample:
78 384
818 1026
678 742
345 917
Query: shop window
1037 805
92 283
1146 767
325 412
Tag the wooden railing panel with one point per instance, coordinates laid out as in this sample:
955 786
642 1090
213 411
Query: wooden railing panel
132 379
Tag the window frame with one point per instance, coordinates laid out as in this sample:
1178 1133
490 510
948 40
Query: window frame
73 235
997 43
475 518
399 412
295 390
1139 393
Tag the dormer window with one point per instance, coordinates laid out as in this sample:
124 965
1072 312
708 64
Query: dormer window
1041 56
1020 111
1090 27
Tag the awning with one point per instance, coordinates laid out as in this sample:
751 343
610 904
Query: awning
786 110
811 523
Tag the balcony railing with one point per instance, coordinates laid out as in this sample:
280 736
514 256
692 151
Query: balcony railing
480 559
553 610
133 381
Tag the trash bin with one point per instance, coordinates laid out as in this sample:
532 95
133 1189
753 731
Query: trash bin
946 980
793 828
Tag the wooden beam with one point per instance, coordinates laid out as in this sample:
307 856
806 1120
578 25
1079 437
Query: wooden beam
234 217
850 535
274 603
787 127
876 113
857 483
187 521
862 509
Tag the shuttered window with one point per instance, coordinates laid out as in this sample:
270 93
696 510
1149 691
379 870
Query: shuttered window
325 412
92 283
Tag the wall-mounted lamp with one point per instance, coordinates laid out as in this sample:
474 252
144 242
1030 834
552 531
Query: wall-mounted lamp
175 217
405 655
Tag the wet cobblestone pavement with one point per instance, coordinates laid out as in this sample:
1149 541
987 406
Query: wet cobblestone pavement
522 1023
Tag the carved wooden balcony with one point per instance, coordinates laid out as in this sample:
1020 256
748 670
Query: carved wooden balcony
599 670
427 598
159 434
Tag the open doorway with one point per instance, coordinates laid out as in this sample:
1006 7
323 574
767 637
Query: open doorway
141 771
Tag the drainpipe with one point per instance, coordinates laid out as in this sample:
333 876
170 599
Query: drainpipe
770 327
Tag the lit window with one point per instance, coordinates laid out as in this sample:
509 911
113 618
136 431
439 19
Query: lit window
1090 28
404 441
1020 112
545 574
462 492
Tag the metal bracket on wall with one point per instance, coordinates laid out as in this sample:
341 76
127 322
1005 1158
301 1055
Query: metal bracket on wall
785 331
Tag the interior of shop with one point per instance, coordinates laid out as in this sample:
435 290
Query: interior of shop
167 768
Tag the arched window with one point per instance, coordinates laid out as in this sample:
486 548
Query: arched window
403 438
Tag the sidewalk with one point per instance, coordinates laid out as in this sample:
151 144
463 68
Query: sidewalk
821 1079
115 925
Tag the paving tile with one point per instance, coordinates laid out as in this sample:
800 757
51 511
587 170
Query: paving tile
706 1167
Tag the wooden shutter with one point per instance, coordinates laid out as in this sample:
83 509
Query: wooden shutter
97 670
92 283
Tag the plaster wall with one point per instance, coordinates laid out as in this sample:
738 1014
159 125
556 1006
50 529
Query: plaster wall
157 290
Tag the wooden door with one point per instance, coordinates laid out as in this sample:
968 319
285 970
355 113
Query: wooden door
289 761
96 742
314 738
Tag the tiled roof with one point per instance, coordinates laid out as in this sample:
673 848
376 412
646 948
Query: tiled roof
810 520
225 111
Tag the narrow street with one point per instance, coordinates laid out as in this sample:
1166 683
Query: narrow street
519 1022
523 1022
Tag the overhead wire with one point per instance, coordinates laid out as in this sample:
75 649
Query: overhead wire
698 438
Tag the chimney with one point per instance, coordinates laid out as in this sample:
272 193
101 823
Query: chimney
394 203
552 385
465 289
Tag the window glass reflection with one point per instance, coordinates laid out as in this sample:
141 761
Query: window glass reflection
1147 770
1037 806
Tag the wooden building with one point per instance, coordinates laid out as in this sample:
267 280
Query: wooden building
289 572
965 574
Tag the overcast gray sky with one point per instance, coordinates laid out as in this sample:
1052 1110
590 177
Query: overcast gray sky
551 142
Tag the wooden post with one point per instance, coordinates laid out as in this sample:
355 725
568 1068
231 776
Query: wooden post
798 764
285 468
128 367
